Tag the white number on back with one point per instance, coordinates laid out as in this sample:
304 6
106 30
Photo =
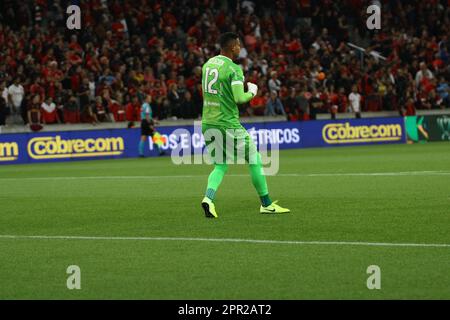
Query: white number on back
209 85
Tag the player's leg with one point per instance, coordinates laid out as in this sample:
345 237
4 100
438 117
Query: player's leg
215 179
144 135
253 158
142 146
215 145
259 180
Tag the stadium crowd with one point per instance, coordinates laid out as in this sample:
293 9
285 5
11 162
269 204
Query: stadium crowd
296 51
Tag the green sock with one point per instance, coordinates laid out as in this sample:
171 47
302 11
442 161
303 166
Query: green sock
265 201
211 194
215 179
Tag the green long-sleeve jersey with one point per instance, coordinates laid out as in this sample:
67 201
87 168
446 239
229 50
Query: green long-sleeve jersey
223 90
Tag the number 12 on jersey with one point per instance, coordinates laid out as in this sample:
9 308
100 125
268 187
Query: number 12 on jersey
210 82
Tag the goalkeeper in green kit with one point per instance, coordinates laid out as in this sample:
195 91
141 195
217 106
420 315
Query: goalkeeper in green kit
223 90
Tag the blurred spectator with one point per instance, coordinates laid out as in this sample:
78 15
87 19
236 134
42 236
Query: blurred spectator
100 112
34 114
127 51
409 109
38 88
187 107
71 110
333 102
133 110
174 101
258 104
274 82
355 102
117 108
16 95
444 92
303 105
291 106
84 93
343 101
424 75
274 106
4 92
48 112
316 104
3 106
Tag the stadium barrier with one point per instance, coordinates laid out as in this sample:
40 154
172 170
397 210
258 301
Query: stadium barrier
123 143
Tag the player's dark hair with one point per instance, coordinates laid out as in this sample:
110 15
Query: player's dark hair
226 38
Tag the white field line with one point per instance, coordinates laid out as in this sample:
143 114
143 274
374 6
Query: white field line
362 174
252 241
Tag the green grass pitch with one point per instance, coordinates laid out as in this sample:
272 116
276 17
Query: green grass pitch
121 199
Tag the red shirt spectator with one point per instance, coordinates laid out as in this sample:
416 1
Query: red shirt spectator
48 112
132 110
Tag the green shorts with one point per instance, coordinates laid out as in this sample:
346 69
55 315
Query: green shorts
229 145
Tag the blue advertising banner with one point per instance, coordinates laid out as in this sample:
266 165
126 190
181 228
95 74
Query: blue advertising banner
123 143
65 146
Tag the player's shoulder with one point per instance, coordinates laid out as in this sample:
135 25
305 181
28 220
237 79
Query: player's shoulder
222 61
216 60
234 68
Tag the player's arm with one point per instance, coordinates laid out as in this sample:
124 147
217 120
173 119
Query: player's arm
237 87
150 118
241 97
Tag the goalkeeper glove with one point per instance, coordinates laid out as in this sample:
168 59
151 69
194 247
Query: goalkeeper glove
252 88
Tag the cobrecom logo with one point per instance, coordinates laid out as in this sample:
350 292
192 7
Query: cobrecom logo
58 148
337 133
9 151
